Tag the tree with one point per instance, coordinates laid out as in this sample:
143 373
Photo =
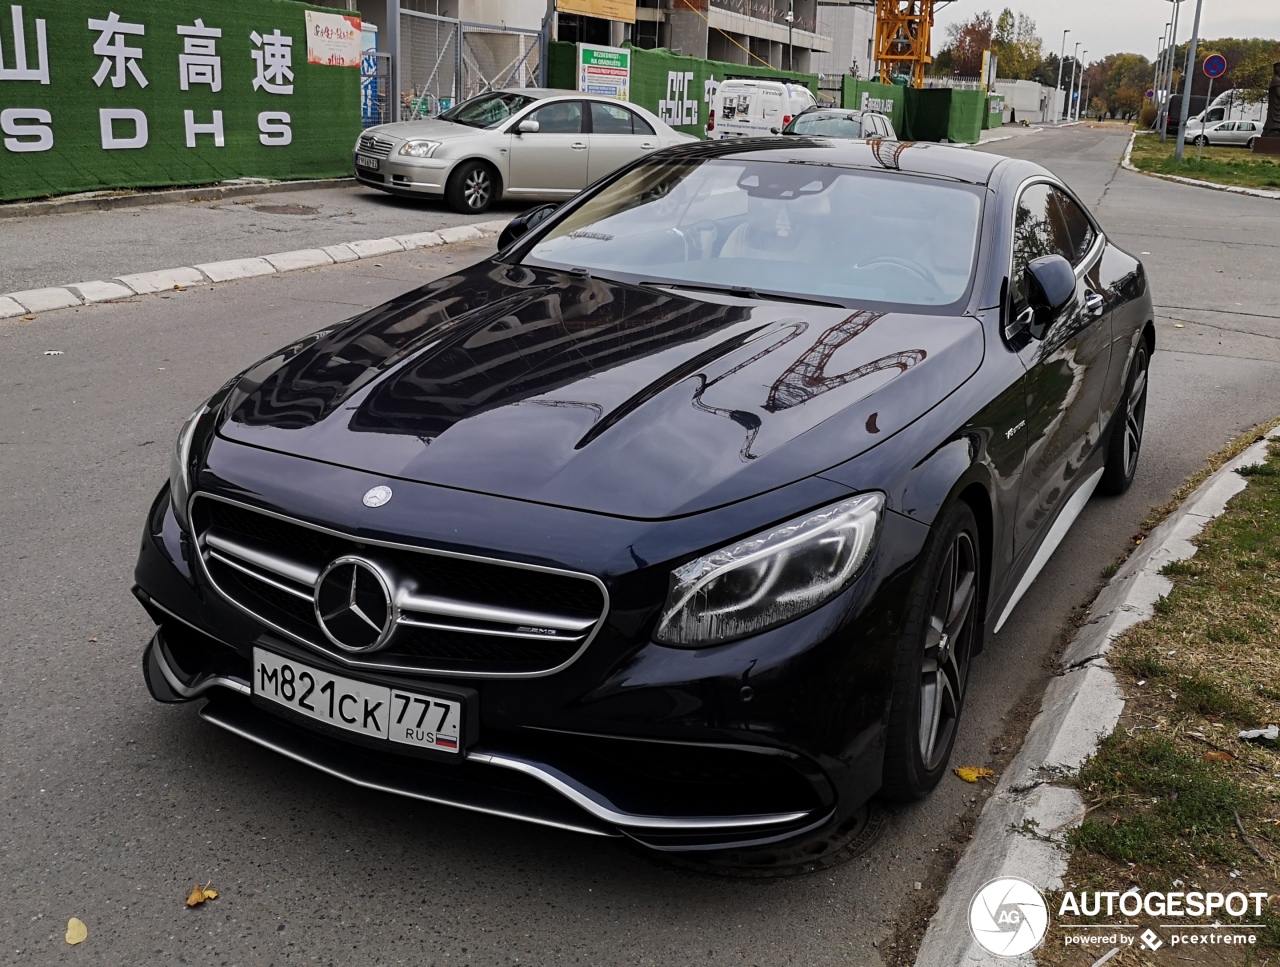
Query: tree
1016 44
1011 37
966 43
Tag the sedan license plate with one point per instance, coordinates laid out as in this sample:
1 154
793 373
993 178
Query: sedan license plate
374 711
364 162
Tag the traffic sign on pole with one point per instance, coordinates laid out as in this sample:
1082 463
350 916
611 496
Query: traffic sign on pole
1215 65
1151 94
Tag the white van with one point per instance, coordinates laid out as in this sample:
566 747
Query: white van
749 109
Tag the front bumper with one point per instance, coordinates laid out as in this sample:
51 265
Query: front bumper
748 743
425 176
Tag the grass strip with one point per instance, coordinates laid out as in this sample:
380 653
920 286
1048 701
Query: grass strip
1176 800
1221 166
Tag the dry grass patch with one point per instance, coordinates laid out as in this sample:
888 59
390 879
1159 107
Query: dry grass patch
1221 166
1177 801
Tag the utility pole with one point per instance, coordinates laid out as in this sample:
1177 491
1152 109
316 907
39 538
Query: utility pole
1060 54
1186 82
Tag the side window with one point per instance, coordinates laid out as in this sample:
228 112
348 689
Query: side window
1038 230
607 119
1079 228
640 126
563 117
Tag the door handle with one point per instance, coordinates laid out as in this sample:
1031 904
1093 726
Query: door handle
647 146
1094 303
579 146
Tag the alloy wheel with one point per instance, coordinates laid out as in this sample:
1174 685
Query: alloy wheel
948 643
477 188
1135 412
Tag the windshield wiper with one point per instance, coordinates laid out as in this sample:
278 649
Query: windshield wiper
744 292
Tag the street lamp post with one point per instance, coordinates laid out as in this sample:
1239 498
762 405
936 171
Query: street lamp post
1169 71
1158 87
791 51
1080 84
1060 56
1071 88
1186 82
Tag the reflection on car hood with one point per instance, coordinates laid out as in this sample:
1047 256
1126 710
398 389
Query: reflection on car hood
585 393
430 129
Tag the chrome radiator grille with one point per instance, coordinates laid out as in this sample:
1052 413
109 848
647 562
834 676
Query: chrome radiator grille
442 613
374 146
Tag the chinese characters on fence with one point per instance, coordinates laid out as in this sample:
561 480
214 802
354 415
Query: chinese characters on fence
120 45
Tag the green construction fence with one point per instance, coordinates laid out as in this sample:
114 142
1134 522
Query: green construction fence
676 88
187 106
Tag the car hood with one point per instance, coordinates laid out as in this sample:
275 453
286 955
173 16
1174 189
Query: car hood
607 397
429 129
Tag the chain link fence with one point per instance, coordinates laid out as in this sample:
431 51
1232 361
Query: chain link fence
444 61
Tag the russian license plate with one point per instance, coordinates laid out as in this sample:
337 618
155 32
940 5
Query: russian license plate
364 162
424 721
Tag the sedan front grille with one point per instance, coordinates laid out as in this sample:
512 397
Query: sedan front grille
374 146
449 614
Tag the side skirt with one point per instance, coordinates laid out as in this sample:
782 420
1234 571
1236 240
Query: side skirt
1066 517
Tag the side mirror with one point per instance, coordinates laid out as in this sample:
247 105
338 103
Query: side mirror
1051 282
521 224
527 126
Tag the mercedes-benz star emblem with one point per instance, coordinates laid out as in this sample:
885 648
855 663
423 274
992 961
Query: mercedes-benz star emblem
377 496
354 605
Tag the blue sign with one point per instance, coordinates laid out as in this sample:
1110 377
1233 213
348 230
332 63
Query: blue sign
1215 66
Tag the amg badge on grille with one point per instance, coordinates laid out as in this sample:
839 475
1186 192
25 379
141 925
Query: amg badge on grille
377 496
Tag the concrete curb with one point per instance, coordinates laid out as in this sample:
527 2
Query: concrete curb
104 201
1021 828
1193 182
31 301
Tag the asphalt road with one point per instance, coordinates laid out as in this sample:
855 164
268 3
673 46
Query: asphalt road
112 806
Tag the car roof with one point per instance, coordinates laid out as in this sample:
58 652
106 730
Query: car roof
537 92
908 157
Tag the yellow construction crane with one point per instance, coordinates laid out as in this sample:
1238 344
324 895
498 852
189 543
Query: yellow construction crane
903 28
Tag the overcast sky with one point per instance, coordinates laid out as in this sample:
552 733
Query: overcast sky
1122 26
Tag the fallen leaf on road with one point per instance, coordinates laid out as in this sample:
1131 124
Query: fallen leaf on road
94 638
53 352
201 893
973 773
28 318
1178 325
76 931
1216 756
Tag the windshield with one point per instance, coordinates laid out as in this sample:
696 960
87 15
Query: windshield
827 126
487 110
815 231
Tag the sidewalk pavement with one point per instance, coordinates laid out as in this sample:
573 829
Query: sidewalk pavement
27 302
1022 827
59 249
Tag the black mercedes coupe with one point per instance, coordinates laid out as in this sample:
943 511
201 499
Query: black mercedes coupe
684 515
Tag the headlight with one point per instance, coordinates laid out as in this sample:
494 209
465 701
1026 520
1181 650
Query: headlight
771 578
418 149
180 467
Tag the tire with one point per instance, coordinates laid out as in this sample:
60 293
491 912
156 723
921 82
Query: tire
1249 144
929 686
1125 444
1201 140
472 188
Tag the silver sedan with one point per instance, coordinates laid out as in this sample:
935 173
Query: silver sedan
1236 133
530 142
